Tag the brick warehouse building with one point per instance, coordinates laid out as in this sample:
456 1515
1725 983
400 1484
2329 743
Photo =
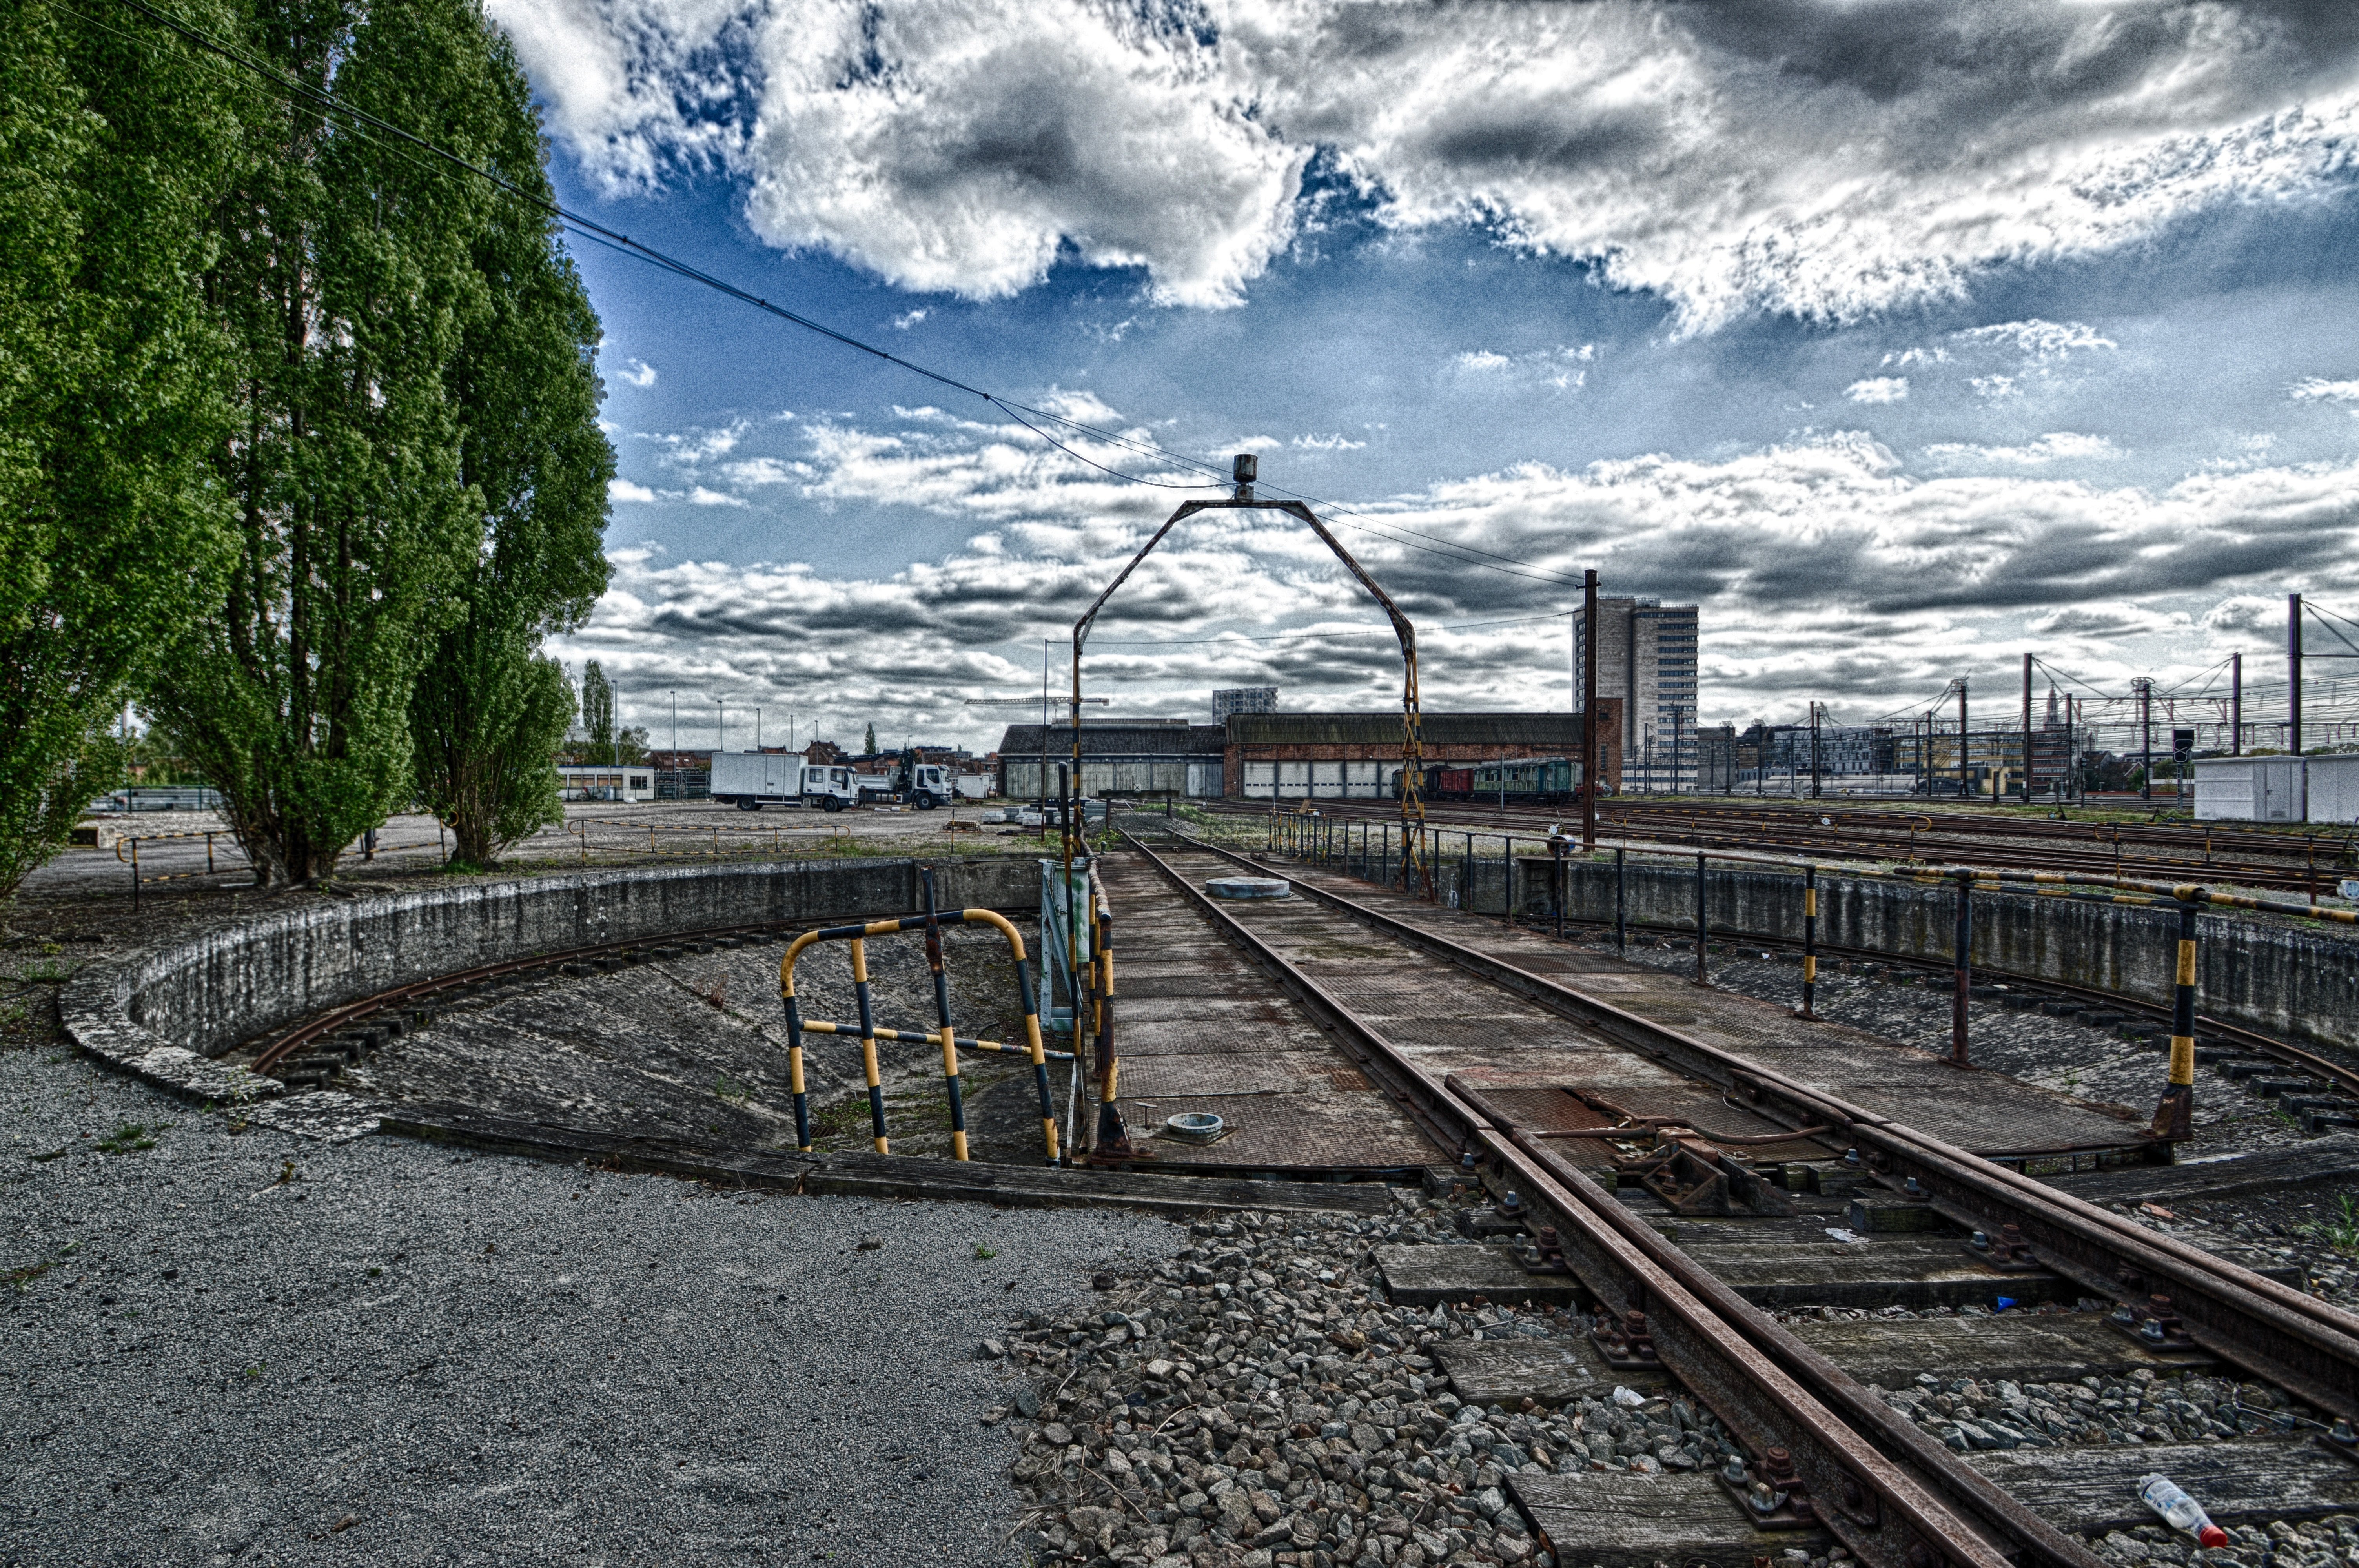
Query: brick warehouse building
1291 755
1288 755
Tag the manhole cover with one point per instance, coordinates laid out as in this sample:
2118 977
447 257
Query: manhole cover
1249 888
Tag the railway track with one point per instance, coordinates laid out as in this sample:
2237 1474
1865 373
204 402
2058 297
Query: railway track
1880 1485
2308 863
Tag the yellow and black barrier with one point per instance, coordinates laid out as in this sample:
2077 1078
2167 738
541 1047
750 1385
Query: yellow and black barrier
945 1036
1113 1139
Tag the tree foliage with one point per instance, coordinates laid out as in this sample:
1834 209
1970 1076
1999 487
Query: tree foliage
598 712
297 426
113 390
382 448
488 711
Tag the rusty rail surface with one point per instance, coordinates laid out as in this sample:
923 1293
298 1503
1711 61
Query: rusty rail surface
2307 862
2277 1333
1891 1493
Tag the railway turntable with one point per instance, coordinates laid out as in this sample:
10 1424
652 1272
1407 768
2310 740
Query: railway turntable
1205 1029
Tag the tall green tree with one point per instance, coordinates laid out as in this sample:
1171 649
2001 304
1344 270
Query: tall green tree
349 279
488 711
869 741
114 379
598 712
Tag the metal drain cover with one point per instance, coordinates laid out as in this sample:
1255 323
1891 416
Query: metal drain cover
1195 1126
1249 888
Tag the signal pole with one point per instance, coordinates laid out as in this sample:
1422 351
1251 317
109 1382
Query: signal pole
2027 729
1589 711
2293 673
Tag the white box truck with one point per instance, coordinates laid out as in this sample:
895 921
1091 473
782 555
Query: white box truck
751 779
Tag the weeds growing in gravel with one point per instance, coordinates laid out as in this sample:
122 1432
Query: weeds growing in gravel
2341 1233
130 1137
983 1254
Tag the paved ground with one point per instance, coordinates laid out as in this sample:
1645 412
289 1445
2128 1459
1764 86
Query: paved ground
173 846
257 1349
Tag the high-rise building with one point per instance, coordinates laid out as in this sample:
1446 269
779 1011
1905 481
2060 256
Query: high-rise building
1646 657
1245 700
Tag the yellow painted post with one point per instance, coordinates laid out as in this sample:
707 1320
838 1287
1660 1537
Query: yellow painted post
868 1046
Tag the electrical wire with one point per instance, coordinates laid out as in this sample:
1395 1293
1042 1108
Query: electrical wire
1308 637
591 229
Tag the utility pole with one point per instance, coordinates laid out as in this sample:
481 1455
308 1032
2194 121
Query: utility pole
2144 687
1815 793
675 730
722 704
1963 782
2293 673
1589 711
2236 704
757 729
2027 729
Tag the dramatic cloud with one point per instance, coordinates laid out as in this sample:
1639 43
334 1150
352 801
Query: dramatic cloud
2054 447
1823 566
1878 389
2318 389
1791 156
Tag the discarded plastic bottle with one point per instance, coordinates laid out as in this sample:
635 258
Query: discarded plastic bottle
2162 1493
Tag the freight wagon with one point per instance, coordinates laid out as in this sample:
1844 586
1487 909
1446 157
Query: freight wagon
1531 780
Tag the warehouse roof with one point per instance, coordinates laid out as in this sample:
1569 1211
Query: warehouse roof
1117 737
1382 728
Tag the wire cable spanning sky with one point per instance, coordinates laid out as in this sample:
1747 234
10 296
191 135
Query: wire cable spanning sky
1901 340
591 229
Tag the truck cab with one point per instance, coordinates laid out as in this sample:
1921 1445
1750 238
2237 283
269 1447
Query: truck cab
924 785
831 788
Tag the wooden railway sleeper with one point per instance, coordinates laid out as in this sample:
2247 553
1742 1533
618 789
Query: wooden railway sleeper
2279 1334
1719 1345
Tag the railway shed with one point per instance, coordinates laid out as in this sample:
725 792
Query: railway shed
1354 756
1119 755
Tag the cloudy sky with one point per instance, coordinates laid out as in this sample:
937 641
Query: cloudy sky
1902 336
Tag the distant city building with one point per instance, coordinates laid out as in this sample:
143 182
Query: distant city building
1646 660
1716 759
1245 700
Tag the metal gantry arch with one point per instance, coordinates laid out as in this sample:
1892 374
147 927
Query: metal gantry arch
1415 871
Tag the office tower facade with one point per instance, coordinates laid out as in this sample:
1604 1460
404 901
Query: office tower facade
1646 657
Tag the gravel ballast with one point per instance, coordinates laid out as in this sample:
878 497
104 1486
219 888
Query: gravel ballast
260 1348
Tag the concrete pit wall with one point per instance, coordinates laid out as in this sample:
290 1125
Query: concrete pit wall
165 1013
2280 979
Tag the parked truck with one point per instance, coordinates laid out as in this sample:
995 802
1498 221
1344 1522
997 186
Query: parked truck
751 779
924 785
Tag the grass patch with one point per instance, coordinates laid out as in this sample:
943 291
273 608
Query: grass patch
2342 1232
129 1138
984 1254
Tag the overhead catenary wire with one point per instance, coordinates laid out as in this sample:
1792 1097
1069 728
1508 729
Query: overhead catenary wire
1306 637
604 234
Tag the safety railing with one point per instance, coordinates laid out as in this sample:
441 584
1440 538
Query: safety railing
944 1035
1331 840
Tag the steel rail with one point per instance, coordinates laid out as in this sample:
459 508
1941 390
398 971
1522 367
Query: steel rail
329 1022
2279 1334
2238 1035
1763 1384
1699 830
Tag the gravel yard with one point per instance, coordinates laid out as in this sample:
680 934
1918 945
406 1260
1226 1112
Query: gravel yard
1254 1401
258 1348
